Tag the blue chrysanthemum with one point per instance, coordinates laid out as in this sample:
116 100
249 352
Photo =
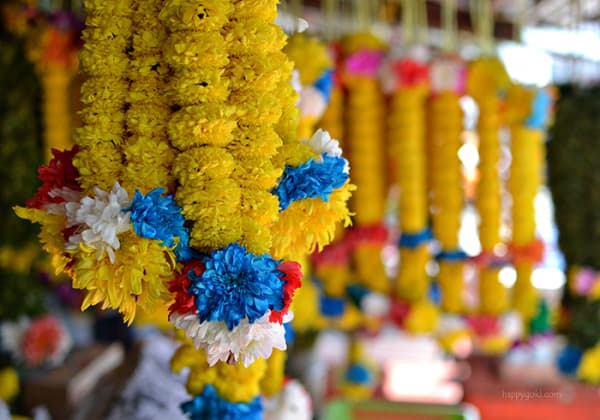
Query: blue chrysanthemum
236 284
208 405
156 216
310 180
324 84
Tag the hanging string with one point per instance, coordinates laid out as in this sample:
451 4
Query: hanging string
449 26
522 6
422 24
408 22
329 12
296 12
483 24
362 15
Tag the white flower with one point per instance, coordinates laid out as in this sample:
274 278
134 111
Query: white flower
511 325
312 102
321 142
387 78
102 219
375 305
245 343
292 403
446 74
70 196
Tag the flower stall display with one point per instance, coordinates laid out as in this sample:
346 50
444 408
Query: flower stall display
188 185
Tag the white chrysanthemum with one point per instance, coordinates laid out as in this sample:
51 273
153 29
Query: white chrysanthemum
511 325
292 403
70 196
387 78
321 142
102 219
312 102
375 305
245 343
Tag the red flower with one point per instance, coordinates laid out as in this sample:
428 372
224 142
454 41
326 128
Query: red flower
292 278
184 302
59 173
375 234
411 73
42 340
398 312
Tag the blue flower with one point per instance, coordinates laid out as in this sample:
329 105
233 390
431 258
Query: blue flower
358 374
155 216
540 110
310 180
414 240
569 359
208 405
332 307
324 84
236 284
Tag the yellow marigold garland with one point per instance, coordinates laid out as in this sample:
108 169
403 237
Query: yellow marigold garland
487 80
364 118
444 131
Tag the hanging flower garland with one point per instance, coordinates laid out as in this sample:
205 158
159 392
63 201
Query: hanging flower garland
183 179
364 121
447 77
487 83
406 79
332 119
527 138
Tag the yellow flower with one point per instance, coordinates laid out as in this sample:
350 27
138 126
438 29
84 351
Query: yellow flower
9 384
486 77
589 367
253 36
139 275
99 166
195 50
201 164
361 40
309 55
144 89
208 124
251 143
422 318
108 8
272 382
255 237
195 87
263 110
103 60
310 223
110 91
234 383
183 15
256 9
258 73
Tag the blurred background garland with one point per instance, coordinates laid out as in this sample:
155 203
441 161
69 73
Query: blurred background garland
574 178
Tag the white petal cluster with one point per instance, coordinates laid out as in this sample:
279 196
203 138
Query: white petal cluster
511 325
245 343
101 218
70 196
375 305
322 143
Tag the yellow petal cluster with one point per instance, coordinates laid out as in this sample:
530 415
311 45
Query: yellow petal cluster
233 383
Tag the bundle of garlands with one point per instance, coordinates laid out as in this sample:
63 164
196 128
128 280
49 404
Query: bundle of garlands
574 178
188 185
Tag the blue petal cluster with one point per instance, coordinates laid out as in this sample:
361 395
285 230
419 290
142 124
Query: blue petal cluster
358 374
310 180
209 405
156 216
324 84
236 284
